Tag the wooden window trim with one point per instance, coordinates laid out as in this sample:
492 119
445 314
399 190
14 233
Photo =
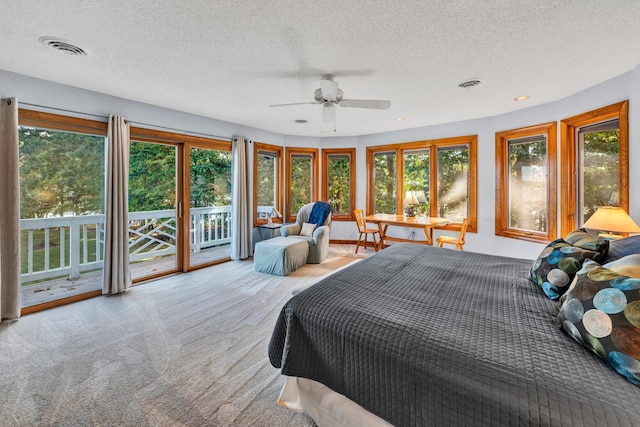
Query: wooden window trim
277 150
52 121
502 172
470 141
351 152
568 157
290 152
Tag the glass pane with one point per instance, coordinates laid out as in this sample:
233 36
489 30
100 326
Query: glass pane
416 179
339 183
600 171
385 183
527 183
301 169
267 181
152 208
210 192
453 183
62 214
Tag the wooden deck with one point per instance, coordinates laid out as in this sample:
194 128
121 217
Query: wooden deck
92 281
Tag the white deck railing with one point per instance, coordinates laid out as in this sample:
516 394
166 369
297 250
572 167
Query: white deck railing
151 234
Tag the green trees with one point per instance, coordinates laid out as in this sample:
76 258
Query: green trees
60 173
601 170
339 183
63 173
301 166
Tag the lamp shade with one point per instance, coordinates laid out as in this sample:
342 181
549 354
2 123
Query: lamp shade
612 218
410 198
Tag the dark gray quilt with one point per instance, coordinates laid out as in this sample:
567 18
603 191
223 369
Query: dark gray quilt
428 336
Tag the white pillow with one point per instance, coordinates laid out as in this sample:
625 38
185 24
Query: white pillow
307 229
628 265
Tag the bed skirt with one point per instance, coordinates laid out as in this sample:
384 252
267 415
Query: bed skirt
325 406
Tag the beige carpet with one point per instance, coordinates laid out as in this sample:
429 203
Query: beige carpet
188 350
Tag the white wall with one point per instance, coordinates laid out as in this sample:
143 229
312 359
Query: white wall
626 86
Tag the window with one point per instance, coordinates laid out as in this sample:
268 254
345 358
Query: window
453 183
302 179
62 183
594 163
179 202
416 173
440 175
384 197
526 183
267 183
339 181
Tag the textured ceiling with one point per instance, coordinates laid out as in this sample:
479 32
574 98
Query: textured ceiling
229 60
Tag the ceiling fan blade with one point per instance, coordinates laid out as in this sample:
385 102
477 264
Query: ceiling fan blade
328 112
366 103
295 103
329 89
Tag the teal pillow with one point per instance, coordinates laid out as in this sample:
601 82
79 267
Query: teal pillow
557 265
601 310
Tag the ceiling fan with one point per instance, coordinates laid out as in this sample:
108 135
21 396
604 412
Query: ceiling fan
329 95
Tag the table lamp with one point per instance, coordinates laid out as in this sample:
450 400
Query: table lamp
611 219
410 200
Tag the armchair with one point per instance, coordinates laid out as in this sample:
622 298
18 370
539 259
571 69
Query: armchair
318 242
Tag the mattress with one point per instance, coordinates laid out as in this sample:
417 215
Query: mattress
419 335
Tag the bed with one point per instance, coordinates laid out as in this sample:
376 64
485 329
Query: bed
417 335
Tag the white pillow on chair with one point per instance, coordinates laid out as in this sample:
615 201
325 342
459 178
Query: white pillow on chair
307 229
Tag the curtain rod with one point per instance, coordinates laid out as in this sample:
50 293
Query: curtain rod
106 118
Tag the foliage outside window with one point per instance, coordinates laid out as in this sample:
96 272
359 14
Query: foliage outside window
210 172
385 182
594 163
599 161
267 181
416 173
62 187
338 176
526 182
302 179
453 183
442 174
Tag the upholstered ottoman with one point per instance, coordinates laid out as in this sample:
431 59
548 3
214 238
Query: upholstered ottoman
280 255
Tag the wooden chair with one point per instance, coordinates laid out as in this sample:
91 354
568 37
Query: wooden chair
364 231
457 241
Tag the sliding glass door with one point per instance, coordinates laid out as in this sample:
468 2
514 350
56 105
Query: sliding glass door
209 204
153 221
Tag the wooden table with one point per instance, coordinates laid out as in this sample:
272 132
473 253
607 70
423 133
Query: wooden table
385 220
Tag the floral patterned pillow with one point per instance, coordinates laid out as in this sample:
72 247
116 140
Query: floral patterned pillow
601 310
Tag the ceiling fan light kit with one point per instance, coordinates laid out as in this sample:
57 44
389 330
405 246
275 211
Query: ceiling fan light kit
330 95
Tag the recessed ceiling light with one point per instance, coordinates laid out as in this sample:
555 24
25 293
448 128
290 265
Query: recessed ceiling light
399 119
62 45
300 121
521 98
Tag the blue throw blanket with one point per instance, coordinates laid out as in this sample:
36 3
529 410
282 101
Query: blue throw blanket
319 213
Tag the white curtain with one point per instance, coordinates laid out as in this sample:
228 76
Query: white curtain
240 206
9 211
117 273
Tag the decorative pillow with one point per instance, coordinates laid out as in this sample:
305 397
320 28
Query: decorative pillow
307 229
623 247
557 265
584 240
628 265
601 311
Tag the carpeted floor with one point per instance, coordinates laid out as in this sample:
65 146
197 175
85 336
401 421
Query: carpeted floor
187 350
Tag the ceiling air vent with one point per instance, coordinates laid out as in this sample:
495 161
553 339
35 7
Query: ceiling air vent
468 84
62 46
